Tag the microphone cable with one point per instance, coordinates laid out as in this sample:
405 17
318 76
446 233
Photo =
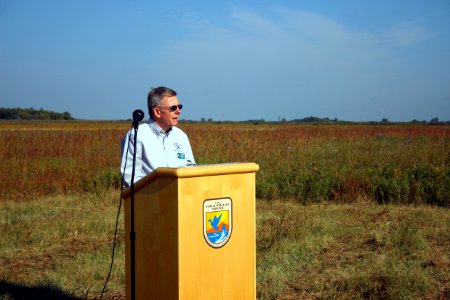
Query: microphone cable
117 218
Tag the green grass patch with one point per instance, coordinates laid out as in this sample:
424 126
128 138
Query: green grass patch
60 246
360 251
61 242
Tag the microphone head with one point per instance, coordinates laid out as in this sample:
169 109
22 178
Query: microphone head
138 115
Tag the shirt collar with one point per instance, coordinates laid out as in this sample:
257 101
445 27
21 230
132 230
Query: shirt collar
156 129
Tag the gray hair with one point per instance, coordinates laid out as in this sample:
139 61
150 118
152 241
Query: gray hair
156 96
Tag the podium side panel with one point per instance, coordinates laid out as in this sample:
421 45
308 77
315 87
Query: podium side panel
228 272
156 246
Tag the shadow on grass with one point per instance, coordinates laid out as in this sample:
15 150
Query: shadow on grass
10 290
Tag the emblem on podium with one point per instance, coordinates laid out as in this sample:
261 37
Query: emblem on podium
217 221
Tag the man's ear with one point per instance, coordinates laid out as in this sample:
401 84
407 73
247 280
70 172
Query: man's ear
156 111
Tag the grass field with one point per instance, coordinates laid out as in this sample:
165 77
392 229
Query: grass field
390 164
343 212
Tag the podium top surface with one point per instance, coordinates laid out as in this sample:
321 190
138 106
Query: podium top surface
193 171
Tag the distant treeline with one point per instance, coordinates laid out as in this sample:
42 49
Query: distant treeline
42 114
32 114
317 120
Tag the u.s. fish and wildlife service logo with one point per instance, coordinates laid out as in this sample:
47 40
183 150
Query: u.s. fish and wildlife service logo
217 221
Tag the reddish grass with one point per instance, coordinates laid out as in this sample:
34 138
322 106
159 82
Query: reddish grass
40 158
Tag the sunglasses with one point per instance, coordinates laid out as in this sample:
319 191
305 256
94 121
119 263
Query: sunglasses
173 107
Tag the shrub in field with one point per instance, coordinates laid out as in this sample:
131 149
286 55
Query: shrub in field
101 180
303 182
417 184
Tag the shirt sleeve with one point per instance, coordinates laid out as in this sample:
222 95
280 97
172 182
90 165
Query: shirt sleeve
126 166
189 155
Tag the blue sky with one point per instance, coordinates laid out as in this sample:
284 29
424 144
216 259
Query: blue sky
229 60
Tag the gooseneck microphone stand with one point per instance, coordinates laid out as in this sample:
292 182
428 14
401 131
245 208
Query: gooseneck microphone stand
138 115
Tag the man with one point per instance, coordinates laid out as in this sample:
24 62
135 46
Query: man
159 142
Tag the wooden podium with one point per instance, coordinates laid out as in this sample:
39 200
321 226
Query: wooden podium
195 233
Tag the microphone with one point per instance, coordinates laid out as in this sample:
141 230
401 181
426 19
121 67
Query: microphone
138 115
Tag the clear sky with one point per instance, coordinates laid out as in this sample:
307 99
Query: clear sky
355 60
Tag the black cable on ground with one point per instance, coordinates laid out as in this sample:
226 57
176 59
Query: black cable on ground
114 244
117 223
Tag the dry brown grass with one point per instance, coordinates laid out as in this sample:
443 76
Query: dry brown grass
62 245
363 251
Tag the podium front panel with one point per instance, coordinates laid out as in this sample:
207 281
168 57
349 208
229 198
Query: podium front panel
227 272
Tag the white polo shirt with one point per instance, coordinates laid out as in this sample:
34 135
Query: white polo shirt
154 148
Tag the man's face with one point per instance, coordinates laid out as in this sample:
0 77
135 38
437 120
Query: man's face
164 116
